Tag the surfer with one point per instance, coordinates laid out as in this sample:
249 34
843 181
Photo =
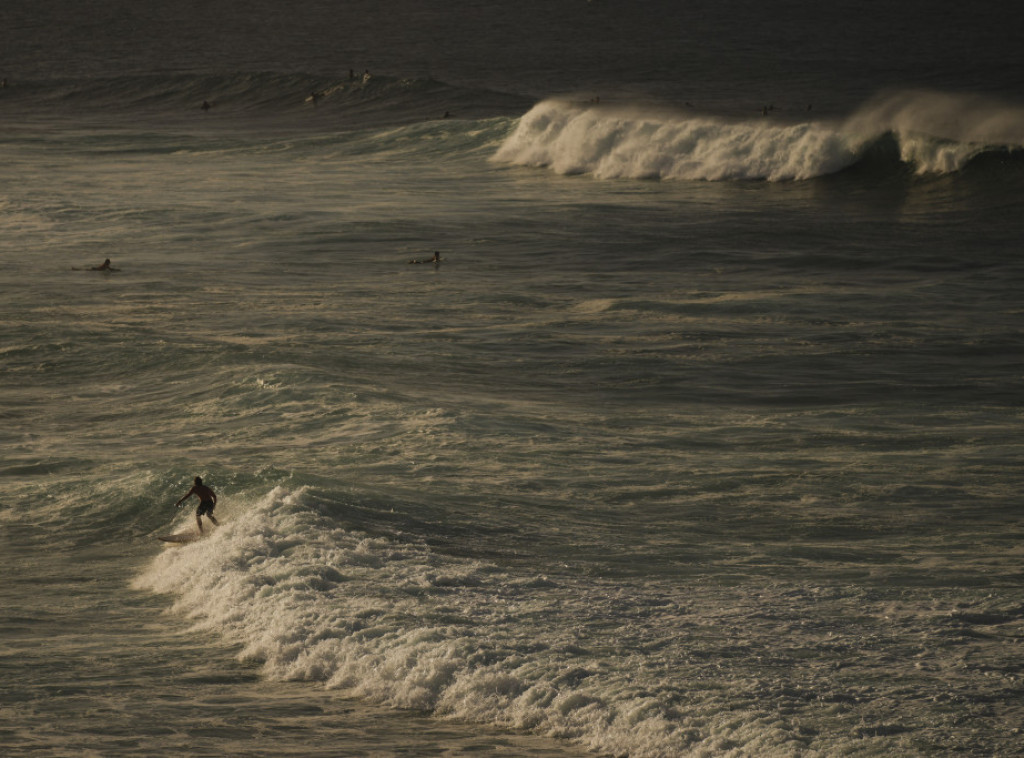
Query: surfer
436 260
207 501
206 106
105 266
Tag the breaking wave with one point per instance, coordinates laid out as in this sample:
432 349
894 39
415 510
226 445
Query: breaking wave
933 133
396 623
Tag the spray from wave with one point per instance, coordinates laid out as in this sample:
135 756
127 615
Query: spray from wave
935 134
940 133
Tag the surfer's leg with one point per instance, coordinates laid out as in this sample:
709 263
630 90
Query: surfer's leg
199 523
213 519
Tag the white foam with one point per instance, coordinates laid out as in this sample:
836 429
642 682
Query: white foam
640 669
400 625
613 142
937 133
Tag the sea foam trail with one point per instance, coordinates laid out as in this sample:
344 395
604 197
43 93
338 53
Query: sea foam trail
935 133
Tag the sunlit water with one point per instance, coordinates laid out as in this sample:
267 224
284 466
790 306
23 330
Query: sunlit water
703 438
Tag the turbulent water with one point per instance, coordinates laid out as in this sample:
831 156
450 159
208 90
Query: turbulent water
703 438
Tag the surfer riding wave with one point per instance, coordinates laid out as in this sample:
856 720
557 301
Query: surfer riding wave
207 502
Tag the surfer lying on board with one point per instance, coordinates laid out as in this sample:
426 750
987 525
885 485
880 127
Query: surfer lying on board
105 266
435 260
207 501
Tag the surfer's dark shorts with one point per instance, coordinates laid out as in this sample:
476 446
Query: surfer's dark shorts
205 508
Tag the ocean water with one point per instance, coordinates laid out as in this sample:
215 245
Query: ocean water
703 439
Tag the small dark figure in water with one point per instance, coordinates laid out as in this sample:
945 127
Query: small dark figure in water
207 501
206 106
105 266
436 260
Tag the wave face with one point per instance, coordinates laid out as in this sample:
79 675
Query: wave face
934 134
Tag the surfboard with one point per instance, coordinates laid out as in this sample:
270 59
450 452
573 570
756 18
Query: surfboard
181 538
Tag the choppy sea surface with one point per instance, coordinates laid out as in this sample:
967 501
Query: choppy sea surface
703 438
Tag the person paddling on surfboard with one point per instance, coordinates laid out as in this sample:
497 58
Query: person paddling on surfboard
207 501
436 260
105 266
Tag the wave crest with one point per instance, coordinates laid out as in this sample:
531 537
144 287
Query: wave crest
935 134
613 143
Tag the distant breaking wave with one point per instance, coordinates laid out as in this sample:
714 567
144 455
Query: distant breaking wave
933 134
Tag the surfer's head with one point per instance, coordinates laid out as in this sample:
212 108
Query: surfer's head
199 480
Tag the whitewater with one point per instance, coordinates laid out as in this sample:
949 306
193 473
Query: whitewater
933 133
